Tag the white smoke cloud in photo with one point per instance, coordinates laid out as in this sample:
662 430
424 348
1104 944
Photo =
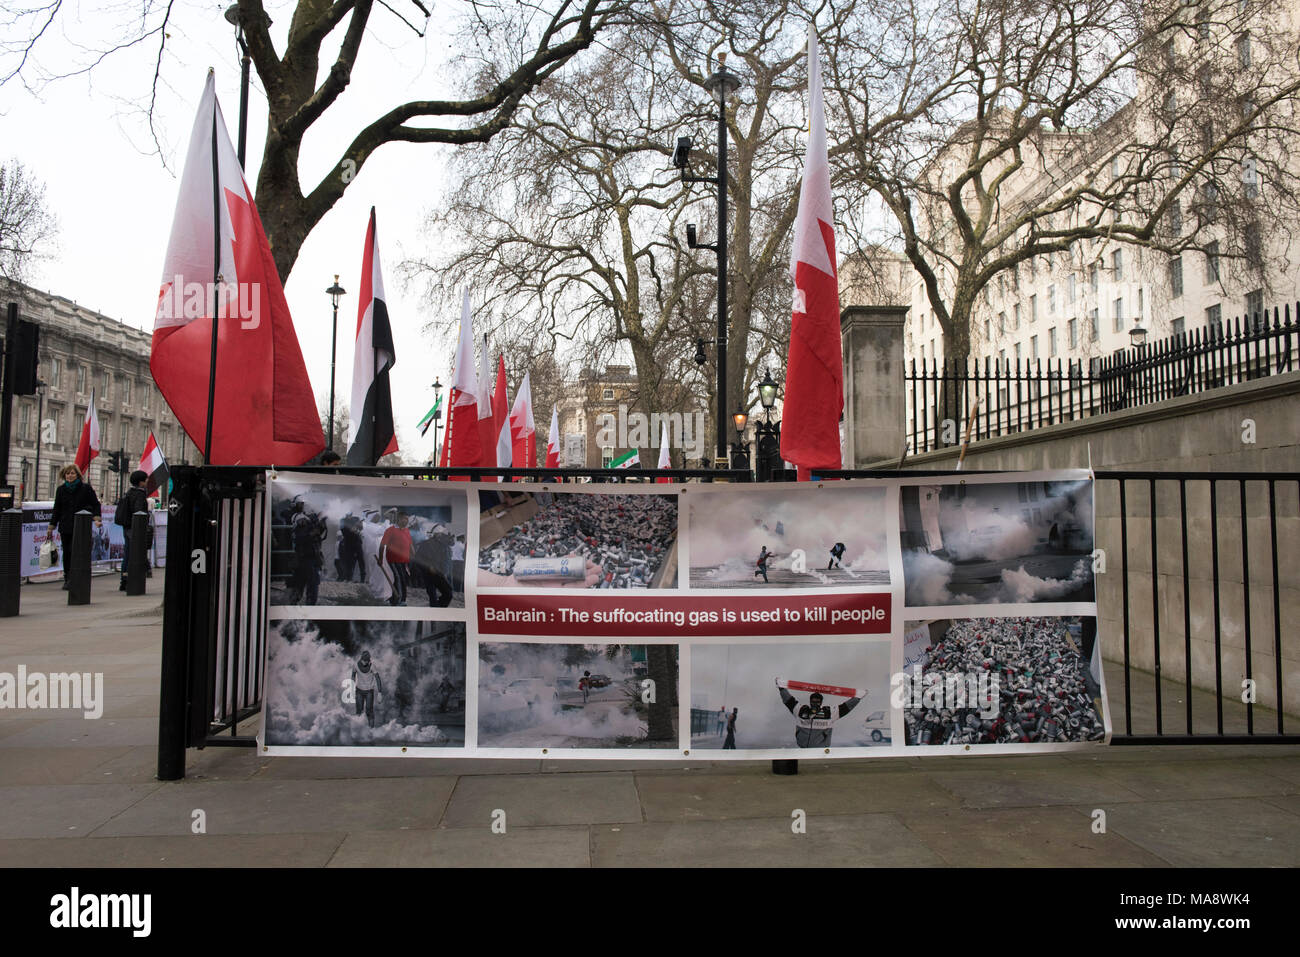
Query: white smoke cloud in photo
744 676
305 676
728 531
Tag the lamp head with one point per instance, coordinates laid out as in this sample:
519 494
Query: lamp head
740 417
335 291
682 153
1137 336
691 236
722 84
767 390
700 357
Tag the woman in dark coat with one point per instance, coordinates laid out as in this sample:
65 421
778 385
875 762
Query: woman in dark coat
73 495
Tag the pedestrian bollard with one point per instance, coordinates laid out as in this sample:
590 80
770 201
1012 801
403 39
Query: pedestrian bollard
11 544
137 563
78 559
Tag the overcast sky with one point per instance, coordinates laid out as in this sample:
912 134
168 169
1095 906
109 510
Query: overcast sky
87 139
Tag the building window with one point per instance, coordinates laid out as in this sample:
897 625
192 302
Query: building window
1033 308
1015 277
988 330
1017 354
606 457
1214 318
1033 347
1094 276
1094 333
1243 50
1071 286
1254 247
1015 316
1119 315
607 394
1212 262
1176 217
81 380
1203 23
56 372
1002 323
1117 264
1250 177
1176 276
1255 316
1210 204
1180 326
105 386
1139 308
25 421
125 389
1051 299
144 396
1051 341
1072 329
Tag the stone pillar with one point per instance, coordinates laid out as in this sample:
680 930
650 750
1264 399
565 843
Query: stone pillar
875 404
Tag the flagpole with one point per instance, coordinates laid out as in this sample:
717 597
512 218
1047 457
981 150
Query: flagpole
216 277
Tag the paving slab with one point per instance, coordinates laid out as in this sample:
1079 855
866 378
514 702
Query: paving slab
1287 802
467 847
1022 837
1164 780
285 807
29 766
862 840
1015 787
537 800
719 796
140 763
65 810
1233 832
190 850
66 731
323 769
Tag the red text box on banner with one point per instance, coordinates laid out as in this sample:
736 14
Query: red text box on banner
684 616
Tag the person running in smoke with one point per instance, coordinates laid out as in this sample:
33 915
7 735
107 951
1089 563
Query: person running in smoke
369 687
814 723
351 550
837 553
763 556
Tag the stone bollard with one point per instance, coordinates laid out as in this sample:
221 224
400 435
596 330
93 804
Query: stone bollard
138 557
11 543
78 559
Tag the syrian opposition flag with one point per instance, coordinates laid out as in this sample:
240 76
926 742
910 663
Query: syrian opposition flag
814 390
461 447
88 447
219 273
553 441
371 433
154 465
626 460
501 417
429 416
523 431
665 457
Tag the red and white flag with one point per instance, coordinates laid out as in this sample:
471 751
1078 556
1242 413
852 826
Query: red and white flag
523 430
88 447
487 434
219 270
553 440
814 390
501 416
154 465
461 446
665 457
371 432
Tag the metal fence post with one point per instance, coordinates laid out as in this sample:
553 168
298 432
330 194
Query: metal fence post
11 543
173 695
78 559
138 554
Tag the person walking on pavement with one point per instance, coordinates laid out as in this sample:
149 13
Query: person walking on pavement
135 499
395 549
730 743
73 495
763 556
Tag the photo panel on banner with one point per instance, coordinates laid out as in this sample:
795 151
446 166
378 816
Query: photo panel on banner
869 617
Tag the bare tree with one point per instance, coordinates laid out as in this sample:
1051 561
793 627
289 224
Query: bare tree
26 225
996 133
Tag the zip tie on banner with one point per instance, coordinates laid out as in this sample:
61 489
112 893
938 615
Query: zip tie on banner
1091 474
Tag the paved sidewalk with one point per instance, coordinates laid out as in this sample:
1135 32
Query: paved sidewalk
82 792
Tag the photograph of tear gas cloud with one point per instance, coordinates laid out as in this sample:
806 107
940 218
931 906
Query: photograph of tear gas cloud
790 695
1005 681
565 540
832 537
367 545
977 544
534 695
333 683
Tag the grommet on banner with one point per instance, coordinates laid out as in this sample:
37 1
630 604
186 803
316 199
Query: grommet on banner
403 750
544 751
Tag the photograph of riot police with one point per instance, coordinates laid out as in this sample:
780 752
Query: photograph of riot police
1002 681
995 543
572 540
336 545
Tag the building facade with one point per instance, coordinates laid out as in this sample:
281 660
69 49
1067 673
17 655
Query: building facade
84 352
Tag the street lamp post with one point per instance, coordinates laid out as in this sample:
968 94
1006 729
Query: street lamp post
40 412
334 292
721 85
437 415
740 451
232 17
767 434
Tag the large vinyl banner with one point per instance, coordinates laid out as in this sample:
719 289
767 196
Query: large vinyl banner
749 621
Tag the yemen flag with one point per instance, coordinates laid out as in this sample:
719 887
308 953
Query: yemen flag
154 465
371 431
219 274
88 447
627 460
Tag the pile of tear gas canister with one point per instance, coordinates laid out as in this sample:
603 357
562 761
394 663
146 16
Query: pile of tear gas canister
1038 678
626 536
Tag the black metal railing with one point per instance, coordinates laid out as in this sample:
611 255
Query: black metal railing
217 589
991 397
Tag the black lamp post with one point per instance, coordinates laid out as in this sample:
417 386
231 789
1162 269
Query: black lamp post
334 292
437 415
720 85
40 413
767 434
740 451
1137 337
232 17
